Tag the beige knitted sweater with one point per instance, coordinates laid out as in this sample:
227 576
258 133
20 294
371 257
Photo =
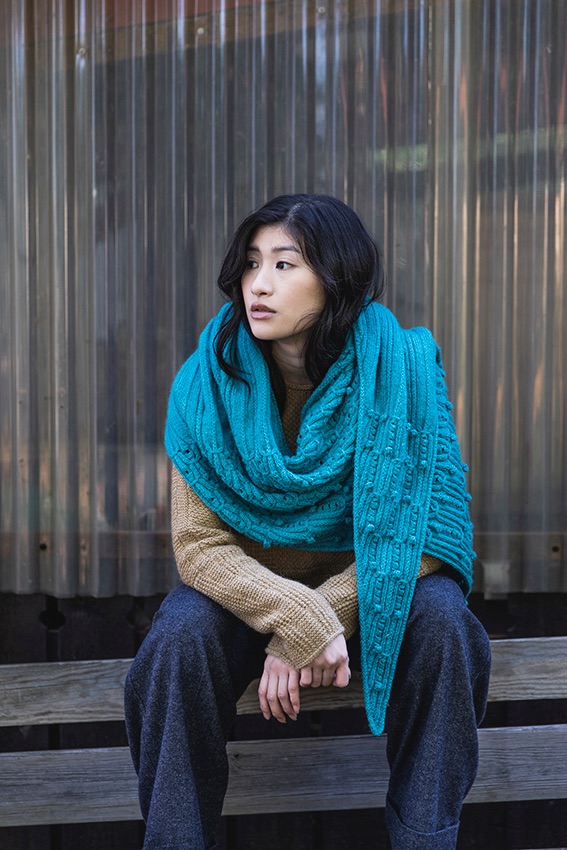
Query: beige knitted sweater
303 599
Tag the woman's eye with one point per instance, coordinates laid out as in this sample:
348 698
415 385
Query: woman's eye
283 264
251 264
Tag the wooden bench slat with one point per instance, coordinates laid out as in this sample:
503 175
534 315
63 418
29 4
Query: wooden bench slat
312 699
88 691
309 774
522 669
350 772
521 763
62 692
529 669
67 786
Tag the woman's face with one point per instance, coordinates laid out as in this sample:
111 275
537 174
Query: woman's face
282 295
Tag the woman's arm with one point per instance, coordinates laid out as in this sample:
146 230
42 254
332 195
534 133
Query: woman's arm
340 591
210 560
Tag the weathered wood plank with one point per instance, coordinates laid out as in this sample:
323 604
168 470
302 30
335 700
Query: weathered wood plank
529 668
88 691
67 786
522 669
313 774
62 692
521 763
312 699
350 772
309 774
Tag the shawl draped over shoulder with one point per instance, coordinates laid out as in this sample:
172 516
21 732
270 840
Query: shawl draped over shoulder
377 468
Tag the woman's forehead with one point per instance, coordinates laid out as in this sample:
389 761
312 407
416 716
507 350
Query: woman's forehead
272 236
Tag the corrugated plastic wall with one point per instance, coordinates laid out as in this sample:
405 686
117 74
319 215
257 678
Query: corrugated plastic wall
134 136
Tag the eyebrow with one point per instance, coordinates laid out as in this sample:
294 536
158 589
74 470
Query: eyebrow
277 249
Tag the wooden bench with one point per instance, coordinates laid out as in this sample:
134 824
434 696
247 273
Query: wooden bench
282 775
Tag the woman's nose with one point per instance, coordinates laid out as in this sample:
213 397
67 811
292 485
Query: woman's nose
261 285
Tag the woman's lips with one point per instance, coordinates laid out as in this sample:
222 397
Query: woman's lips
260 311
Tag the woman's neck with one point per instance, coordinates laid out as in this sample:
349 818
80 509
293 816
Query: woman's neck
291 362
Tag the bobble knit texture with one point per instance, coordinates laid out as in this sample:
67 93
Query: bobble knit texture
377 468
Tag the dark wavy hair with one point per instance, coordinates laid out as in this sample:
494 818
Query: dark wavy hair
337 247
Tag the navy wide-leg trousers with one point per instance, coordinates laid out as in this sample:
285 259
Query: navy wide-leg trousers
197 660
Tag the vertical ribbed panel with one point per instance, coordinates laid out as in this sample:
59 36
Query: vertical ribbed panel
134 136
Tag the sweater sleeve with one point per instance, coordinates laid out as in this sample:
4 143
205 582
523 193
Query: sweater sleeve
210 560
341 593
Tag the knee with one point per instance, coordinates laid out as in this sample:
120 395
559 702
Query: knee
442 628
187 629
186 615
438 606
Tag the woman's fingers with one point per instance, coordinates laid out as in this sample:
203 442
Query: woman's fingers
330 667
342 676
278 692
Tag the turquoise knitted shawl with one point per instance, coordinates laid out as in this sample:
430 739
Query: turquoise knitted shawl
377 468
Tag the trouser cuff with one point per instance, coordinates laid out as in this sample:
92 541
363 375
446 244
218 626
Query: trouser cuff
403 838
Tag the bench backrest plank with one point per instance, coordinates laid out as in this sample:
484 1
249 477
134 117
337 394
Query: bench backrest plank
529 669
88 691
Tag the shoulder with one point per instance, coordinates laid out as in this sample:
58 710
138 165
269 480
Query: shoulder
421 339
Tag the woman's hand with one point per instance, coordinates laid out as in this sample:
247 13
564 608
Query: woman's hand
278 691
331 667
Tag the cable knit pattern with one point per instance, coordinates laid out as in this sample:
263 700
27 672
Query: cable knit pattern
377 468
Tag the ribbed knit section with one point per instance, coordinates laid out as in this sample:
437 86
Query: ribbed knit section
393 490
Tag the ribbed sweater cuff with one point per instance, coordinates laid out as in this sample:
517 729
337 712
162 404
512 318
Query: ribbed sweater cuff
341 593
278 647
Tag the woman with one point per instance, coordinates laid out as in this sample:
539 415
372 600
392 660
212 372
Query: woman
318 497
